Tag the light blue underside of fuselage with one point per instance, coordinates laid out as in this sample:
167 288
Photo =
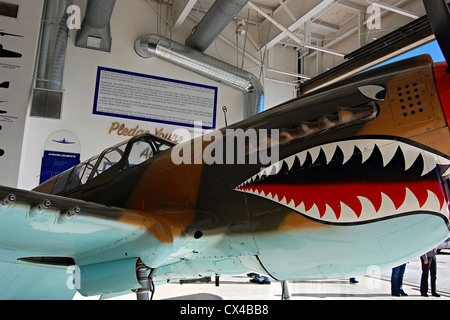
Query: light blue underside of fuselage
346 251
330 252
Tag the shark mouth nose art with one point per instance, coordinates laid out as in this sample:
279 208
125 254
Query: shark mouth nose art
356 181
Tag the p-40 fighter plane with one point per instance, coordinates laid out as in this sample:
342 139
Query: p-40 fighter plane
360 182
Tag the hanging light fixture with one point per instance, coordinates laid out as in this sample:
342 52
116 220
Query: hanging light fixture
240 28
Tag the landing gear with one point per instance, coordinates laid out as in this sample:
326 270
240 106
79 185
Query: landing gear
146 282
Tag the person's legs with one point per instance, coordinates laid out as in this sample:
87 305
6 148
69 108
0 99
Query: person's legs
433 274
424 279
401 273
395 289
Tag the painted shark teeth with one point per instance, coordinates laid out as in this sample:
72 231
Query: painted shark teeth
388 149
364 147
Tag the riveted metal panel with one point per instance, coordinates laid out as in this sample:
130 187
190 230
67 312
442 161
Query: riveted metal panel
410 102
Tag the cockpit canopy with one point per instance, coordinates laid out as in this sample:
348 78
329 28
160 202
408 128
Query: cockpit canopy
122 156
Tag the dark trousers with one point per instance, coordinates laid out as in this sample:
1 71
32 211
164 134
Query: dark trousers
429 268
397 279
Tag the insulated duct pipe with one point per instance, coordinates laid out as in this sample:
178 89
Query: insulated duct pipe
215 20
154 46
53 45
95 31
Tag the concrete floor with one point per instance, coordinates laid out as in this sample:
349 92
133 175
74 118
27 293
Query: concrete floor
375 286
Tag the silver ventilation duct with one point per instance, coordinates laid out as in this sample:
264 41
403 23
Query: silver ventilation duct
53 45
154 46
95 31
47 94
215 20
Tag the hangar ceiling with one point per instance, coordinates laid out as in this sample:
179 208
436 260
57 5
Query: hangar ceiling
307 26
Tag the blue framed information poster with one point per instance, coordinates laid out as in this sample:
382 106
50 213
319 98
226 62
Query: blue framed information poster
143 97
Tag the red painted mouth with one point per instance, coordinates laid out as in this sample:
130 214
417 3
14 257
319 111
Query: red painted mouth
334 195
354 190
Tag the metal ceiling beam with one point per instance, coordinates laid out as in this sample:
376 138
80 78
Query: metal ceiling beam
351 6
384 12
286 9
296 75
395 9
292 35
393 44
295 84
325 26
339 38
297 24
182 10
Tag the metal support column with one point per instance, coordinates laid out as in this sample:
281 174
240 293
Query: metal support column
285 295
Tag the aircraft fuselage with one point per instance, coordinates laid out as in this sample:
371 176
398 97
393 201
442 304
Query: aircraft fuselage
358 184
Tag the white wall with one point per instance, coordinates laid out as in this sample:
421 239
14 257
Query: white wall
131 19
18 71
277 91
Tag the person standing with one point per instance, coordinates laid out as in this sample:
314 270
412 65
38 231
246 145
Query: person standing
397 281
429 266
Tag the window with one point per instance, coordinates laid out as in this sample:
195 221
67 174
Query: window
141 151
74 180
109 158
9 9
140 148
163 145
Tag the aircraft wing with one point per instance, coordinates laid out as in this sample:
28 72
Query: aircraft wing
43 237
